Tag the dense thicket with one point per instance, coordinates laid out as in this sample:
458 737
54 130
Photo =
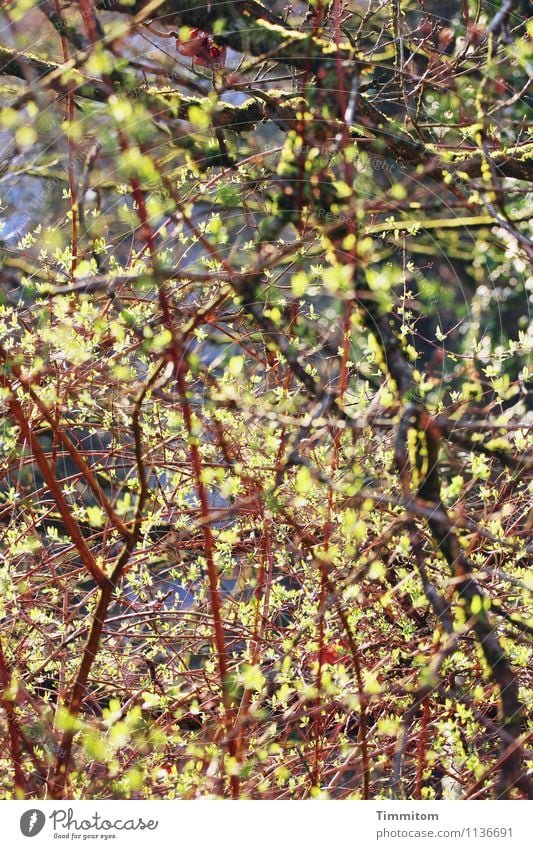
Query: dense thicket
266 474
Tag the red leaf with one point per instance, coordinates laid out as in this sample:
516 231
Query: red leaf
202 49
330 654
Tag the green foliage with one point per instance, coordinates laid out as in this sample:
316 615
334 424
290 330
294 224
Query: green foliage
266 395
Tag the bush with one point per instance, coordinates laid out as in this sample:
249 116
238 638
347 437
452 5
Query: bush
265 495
